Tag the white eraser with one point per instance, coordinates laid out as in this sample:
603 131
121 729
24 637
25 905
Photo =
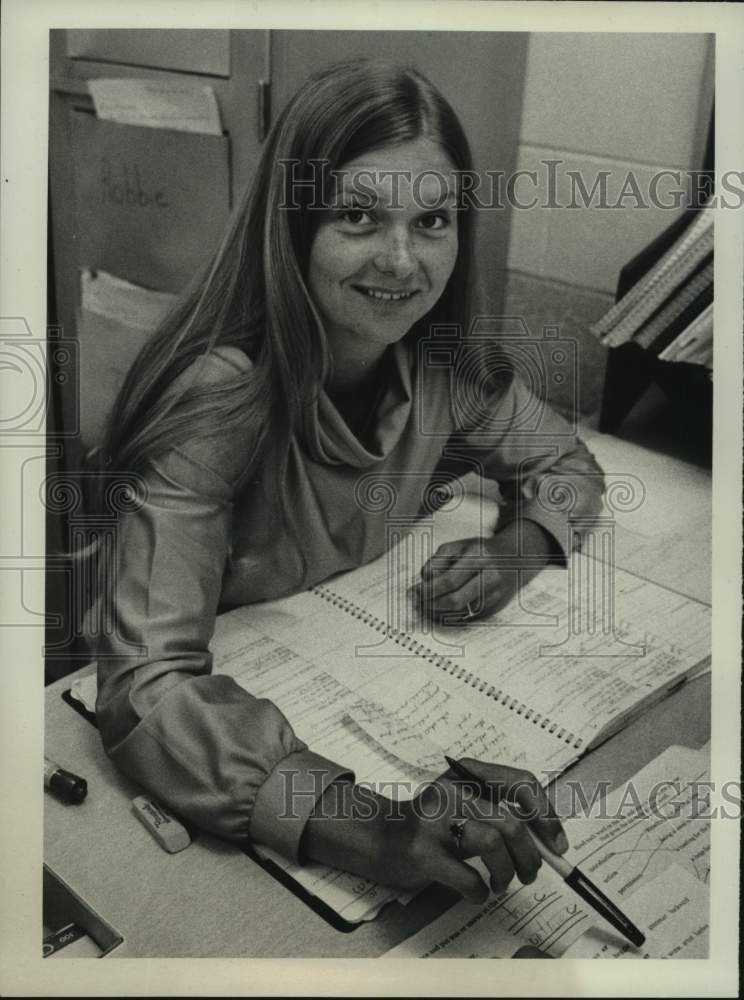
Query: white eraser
168 832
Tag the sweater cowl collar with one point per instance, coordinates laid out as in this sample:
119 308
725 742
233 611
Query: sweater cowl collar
329 439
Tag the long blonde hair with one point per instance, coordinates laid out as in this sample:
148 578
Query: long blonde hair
252 294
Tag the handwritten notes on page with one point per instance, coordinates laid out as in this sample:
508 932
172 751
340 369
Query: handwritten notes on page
182 104
646 845
576 648
542 915
420 715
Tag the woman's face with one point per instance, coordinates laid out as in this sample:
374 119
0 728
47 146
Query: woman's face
376 269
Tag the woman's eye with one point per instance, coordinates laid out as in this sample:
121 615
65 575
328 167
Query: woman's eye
356 216
434 221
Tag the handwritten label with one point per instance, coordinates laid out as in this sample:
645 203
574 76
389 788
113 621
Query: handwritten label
123 184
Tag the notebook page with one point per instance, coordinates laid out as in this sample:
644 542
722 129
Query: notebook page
543 915
389 721
617 655
419 716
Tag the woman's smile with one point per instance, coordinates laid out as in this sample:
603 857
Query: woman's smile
385 294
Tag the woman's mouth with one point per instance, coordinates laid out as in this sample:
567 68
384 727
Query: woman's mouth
384 295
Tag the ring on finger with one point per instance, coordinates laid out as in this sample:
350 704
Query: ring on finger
457 829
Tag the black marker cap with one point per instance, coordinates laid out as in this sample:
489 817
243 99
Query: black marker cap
67 787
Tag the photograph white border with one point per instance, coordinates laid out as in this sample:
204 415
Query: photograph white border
25 89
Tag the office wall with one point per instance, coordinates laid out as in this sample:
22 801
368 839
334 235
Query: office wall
618 103
623 104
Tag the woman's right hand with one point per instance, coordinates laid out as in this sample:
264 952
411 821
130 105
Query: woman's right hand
409 844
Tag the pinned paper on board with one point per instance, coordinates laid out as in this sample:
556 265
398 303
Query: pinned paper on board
182 104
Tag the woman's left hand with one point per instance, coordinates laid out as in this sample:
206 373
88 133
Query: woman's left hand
475 577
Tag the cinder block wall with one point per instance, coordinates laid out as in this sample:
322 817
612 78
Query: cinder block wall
623 104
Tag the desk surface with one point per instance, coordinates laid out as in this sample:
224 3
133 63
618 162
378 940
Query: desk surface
211 900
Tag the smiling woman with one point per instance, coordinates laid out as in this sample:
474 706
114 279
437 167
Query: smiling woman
375 271
287 371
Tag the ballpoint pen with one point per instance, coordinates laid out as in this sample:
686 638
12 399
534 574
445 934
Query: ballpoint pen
571 874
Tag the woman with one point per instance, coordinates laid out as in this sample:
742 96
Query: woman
287 371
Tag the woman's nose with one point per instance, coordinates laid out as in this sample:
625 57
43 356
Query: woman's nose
395 257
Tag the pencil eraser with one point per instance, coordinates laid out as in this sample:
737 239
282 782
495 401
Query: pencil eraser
166 830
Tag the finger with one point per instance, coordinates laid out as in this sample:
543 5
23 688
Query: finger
468 591
445 868
434 600
535 808
528 951
444 555
506 586
480 594
506 844
525 856
492 851
522 787
446 577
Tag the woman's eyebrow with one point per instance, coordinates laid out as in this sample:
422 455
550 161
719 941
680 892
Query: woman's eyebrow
367 195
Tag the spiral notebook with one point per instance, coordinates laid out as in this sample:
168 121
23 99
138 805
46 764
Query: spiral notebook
566 664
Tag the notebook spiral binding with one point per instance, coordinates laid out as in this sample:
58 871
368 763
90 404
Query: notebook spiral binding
448 666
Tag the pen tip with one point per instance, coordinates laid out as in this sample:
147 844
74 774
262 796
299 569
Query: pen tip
637 937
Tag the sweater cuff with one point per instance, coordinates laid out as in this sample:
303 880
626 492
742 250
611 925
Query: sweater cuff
556 525
287 798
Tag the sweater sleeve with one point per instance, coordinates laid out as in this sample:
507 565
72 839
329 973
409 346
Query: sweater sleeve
200 743
545 472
